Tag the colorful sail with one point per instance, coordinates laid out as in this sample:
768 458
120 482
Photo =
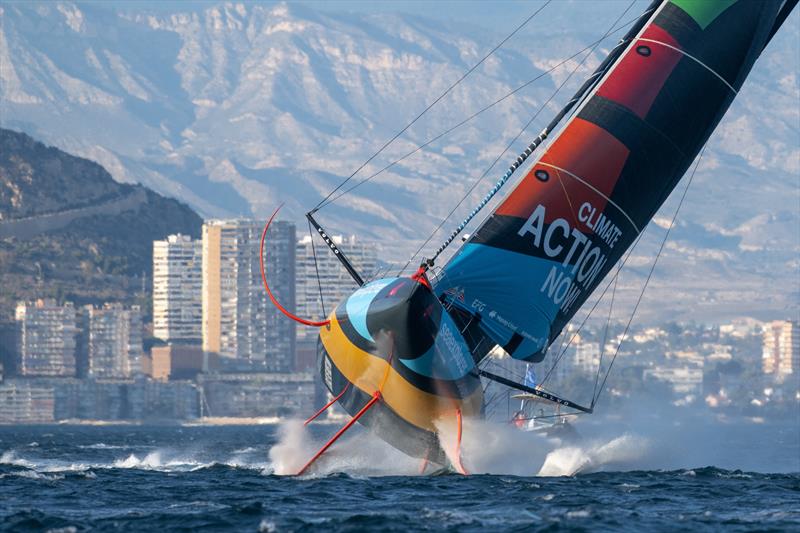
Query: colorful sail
531 265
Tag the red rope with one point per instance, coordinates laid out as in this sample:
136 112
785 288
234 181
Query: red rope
325 408
375 398
424 465
459 465
266 285
421 277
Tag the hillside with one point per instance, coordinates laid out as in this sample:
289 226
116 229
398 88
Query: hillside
69 231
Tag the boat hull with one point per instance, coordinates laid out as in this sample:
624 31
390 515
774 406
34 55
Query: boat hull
393 338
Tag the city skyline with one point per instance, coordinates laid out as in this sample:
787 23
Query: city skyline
103 344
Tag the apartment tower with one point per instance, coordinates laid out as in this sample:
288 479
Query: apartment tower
238 320
177 284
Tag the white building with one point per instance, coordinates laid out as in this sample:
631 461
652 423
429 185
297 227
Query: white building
580 359
781 348
238 320
682 380
334 281
115 341
26 402
45 338
587 357
177 284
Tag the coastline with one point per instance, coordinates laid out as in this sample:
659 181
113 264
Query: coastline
197 422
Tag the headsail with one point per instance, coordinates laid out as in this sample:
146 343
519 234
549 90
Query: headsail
530 266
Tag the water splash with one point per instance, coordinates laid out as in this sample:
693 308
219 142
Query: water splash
162 460
500 448
619 453
487 448
358 454
292 450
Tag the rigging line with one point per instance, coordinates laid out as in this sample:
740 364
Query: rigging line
512 372
591 49
496 160
563 336
494 399
509 370
649 275
480 111
436 101
589 85
605 337
316 267
589 314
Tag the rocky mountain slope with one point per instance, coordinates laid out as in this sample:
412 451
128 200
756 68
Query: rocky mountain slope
69 231
236 107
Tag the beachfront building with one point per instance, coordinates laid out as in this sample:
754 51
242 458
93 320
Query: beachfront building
238 320
45 338
115 341
177 284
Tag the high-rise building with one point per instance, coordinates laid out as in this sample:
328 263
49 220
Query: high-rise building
115 341
781 348
177 283
334 282
45 338
587 357
238 320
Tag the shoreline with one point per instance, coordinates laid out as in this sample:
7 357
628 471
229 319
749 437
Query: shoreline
210 421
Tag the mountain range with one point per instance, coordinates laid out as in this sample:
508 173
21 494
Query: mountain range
234 108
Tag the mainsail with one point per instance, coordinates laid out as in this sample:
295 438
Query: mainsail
536 259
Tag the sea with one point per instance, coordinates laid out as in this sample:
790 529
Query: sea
702 474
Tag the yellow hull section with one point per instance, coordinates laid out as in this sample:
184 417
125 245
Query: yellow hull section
371 374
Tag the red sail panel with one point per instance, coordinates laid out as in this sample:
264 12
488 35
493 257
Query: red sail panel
640 76
584 150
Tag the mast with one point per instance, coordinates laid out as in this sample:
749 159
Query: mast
336 251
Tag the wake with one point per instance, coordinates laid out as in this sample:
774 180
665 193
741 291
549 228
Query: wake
487 448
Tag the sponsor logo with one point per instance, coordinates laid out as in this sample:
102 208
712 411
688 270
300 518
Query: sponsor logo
456 293
583 258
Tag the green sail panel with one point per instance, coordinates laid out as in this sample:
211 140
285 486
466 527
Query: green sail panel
704 11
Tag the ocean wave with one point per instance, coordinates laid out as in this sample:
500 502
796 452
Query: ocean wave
104 446
33 474
248 449
154 461
10 458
